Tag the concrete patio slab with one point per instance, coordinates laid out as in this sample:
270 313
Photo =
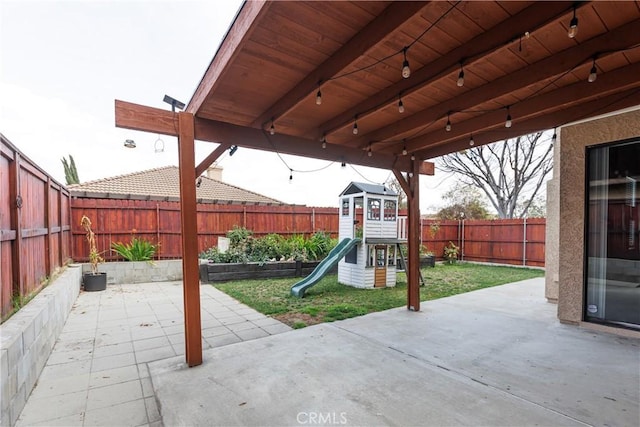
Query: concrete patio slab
497 356
97 373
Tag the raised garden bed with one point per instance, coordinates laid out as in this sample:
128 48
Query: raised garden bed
211 272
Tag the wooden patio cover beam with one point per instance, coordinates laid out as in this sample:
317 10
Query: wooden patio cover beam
606 84
605 44
613 102
530 19
240 31
149 119
395 15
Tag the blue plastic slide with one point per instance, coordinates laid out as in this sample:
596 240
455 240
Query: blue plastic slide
323 268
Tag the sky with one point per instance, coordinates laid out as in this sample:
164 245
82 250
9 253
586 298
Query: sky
63 63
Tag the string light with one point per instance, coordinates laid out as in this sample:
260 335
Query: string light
323 139
410 174
272 129
508 122
554 136
343 165
593 74
404 148
448 126
573 25
413 157
318 97
290 175
460 81
400 105
355 125
369 153
406 71
471 141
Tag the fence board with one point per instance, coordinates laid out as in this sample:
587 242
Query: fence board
34 228
495 241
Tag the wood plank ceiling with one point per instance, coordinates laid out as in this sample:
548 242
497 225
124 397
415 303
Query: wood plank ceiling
517 60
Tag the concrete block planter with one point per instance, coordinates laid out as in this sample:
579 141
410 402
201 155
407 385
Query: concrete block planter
210 272
121 272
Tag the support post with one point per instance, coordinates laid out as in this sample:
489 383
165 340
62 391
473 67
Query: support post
190 274
413 243
412 266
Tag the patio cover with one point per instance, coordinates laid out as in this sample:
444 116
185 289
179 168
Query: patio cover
299 78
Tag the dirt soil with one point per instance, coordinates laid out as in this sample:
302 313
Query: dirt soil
291 318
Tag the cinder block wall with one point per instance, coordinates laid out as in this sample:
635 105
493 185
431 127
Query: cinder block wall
122 272
27 338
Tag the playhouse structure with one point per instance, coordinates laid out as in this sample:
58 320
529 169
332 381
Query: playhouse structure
370 213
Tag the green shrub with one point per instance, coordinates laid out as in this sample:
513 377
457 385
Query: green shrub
451 253
137 250
243 247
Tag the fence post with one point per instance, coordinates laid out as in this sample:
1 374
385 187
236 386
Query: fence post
313 220
524 241
47 223
16 222
462 245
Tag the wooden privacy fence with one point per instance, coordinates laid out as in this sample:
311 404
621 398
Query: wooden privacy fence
503 241
159 222
34 225
517 242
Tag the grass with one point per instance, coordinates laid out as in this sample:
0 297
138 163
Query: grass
329 301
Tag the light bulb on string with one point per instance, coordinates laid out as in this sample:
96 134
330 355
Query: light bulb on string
460 81
400 105
323 139
369 153
448 125
318 97
508 122
343 165
554 136
413 157
272 129
290 176
404 148
406 71
573 25
355 126
593 73
471 141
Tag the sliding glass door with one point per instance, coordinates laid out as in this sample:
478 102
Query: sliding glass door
613 229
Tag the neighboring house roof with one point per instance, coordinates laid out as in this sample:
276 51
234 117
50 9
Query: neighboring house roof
361 187
163 184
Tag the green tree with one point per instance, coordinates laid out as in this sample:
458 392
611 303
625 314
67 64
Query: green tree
463 202
70 171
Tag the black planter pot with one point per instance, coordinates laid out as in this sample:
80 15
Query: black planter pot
94 282
428 261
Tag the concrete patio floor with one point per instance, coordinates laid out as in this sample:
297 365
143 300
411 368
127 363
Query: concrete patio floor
497 356
97 372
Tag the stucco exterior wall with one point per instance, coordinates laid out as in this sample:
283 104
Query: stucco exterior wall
570 168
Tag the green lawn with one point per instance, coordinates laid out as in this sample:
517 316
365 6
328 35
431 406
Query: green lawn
328 300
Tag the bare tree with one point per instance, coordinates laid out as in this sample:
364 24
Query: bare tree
510 172
395 186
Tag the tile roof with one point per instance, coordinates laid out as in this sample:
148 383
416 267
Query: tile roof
163 184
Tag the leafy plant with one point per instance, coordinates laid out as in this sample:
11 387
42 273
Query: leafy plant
137 250
94 256
451 253
243 247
